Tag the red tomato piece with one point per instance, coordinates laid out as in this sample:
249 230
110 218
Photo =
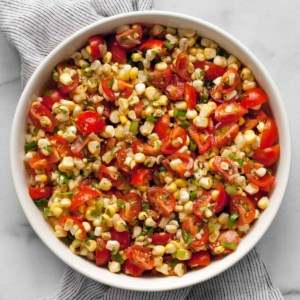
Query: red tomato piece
269 134
120 157
85 194
254 97
255 117
227 174
62 220
199 259
222 200
212 71
141 176
131 269
225 239
38 112
52 96
191 225
78 145
161 127
39 193
103 255
140 256
118 53
244 207
96 43
162 238
139 146
130 37
186 166
61 145
265 182
161 79
138 109
115 178
225 134
182 65
150 44
267 156
132 207
107 88
190 96
175 89
201 137
37 163
161 200
125 89
52 158
176 136
226 85
229 112
122 237
90 121
66 89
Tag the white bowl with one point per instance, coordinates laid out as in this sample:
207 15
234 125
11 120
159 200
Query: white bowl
38 82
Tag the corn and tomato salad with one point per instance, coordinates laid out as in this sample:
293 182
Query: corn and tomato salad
150 151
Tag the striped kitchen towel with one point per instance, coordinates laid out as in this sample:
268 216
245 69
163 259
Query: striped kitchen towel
35 27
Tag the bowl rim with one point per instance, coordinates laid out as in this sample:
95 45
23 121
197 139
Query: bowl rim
129 284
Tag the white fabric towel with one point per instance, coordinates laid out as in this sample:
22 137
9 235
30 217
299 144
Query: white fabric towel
35 27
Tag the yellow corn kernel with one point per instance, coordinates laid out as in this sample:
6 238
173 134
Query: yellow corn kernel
91 245
181 183
172 188
123 119
183 254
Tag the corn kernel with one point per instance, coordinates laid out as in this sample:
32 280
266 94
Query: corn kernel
263 203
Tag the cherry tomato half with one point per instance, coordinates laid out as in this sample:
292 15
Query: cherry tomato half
96 42
132 207
269 134
226 238
162 238
190 96
90 121
161 79
267 156
225 134
61 145
118 53
130 37
122 237
175 89
187 165
229 112
82 196
212 71
52 96
182 65
139 146
66 89
174 141
254 97
141 176
199 259
201 137
140 256
226 173
131 269
227 84
150 44
39 193
120 157
103 255
161 127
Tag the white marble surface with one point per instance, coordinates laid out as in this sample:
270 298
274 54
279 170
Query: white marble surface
271 29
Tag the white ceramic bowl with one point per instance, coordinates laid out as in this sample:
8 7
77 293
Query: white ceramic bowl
38 82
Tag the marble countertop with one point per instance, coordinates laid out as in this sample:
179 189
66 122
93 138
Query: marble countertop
271 29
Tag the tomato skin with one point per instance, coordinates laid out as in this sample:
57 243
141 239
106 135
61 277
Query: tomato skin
62 220
237 203
125 89
131 269
140 256
186 166
118 53
52 96
139 146
161 200
39 193
175 88
83 195
127 39
66 89
254 97
256 116
161 127
52 158
167 146
201 137
90 121
132 207
190 96
227 133
37 163
138 109
141 176
150 44
78 145
95 43
201 203
107 89
161 79
120 157
229 236
212 71
103 255
122 237
200 243
182 64
226 173
161 238
269 134
222 200
105 172
199 259
224 87
37 111
61 145
267 156
236 111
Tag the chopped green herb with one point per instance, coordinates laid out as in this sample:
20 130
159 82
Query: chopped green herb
148 229
85 151
63 110
204 98
227 245
202 73
70 237
169 45
91 159
224 129
87 73
120 203
208 84
231 155
67 194
91 236
130 61
232 219
231 189
179 113
240 162
30 146
162 169
194 182
48 149
41 202
47 93
151 119
166 196
145 206
174 263
111 83
149 77
269 171
63 178
185 125
46 211
187 237
95 185
193 195
246 207
193 146
118 258
134 127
